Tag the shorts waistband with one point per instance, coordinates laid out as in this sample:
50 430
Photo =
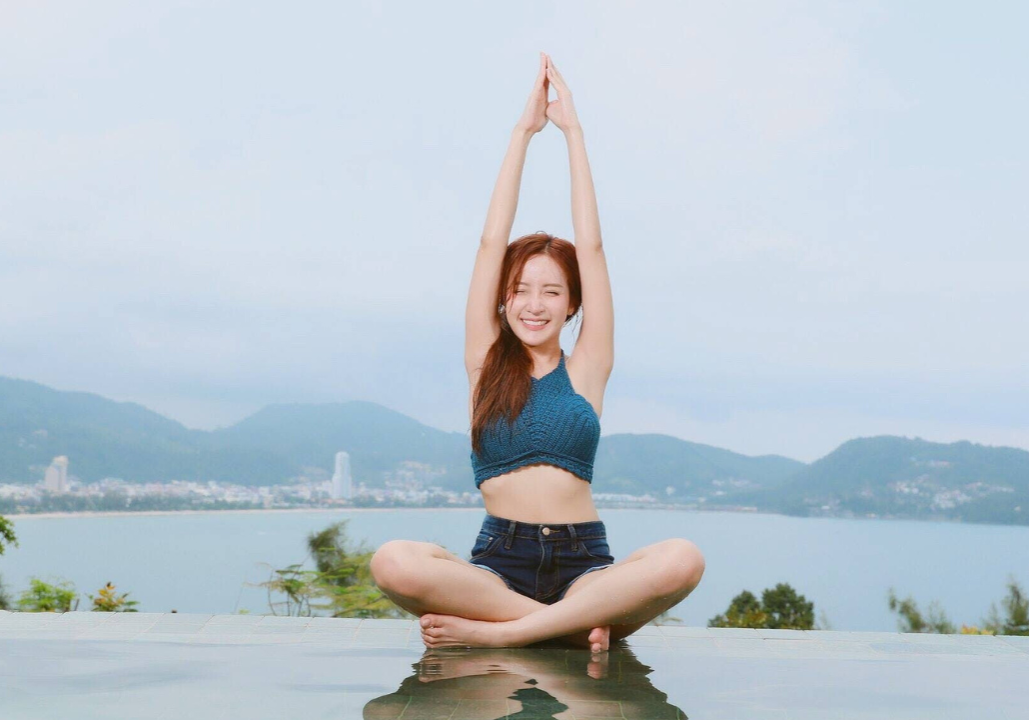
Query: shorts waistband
544 531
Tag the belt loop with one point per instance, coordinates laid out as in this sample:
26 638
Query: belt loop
575 541
510 535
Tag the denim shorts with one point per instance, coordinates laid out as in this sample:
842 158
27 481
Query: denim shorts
540 561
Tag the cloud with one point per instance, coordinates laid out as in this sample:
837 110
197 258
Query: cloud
206 210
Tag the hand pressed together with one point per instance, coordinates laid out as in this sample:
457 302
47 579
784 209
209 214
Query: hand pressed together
539 108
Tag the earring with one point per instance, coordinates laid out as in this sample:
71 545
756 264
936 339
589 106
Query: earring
500 309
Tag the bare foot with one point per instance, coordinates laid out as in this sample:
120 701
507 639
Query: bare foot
597 640
600 639
452 631
597 666
451 663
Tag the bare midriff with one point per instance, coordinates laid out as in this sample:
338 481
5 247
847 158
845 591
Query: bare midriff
539 494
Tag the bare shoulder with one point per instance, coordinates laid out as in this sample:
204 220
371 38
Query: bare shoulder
587 380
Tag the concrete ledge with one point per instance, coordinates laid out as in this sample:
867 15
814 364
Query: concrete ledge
352 632
172 665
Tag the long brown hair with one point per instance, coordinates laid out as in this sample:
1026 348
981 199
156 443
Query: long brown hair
505 380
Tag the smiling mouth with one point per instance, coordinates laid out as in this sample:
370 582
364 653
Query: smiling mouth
534 325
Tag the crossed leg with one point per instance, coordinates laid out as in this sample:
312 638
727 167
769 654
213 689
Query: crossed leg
461 604
423 578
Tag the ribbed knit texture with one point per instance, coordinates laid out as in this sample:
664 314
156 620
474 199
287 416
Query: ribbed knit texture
557 426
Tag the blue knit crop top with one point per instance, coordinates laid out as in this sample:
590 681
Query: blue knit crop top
557 427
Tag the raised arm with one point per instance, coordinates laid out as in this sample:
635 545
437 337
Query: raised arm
482 321
596 336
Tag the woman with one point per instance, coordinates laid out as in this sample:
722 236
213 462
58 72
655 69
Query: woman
540 567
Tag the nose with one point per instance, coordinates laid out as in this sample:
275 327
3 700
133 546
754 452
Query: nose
535 304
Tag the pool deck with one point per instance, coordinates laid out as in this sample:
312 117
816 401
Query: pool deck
171 665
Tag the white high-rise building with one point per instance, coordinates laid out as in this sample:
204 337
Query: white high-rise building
56 478
342 482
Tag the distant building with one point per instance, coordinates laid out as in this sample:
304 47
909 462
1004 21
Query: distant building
342 482
56 478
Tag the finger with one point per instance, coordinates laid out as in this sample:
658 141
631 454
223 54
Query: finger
559 78
557 81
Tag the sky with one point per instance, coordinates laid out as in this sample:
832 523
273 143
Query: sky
813 213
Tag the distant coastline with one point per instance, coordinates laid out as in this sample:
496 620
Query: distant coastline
135 513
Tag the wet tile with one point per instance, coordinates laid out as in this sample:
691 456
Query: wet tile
1019 642
736 633
369 637
788 634
237 619
395 623
637 640
318 622
929 638
686 631
284 621
364 669
595 709
471 709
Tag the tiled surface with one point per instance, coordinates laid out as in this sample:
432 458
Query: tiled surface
154 665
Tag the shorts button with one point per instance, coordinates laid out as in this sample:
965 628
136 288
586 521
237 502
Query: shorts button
546 531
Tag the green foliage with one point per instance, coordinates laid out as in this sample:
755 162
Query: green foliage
7 536
1016 613
786 609
780 607
911 620
44 597
341 585
744 612
109 601
1014 621
5 599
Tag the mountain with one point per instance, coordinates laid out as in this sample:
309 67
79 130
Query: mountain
377 439
104 438
880 476
629 463
910 477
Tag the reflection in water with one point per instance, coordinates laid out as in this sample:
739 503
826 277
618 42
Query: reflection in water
539 682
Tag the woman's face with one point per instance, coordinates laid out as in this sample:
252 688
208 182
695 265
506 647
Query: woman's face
541 294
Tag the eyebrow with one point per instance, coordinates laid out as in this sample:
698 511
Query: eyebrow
558 285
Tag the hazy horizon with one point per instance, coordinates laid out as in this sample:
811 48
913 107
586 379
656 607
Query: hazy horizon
813 213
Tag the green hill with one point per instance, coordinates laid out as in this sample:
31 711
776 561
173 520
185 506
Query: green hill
104 438
629 463
898 476
880 476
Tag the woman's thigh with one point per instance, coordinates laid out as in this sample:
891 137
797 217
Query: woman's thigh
424 577
659 557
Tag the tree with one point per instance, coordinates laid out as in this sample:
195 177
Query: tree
786 609
342 580
5 599
744 611
911 620
108 601
1016 607
7 535
780 607
44 597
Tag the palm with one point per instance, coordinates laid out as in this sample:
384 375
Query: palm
536 110
534 117
561 112
558 112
